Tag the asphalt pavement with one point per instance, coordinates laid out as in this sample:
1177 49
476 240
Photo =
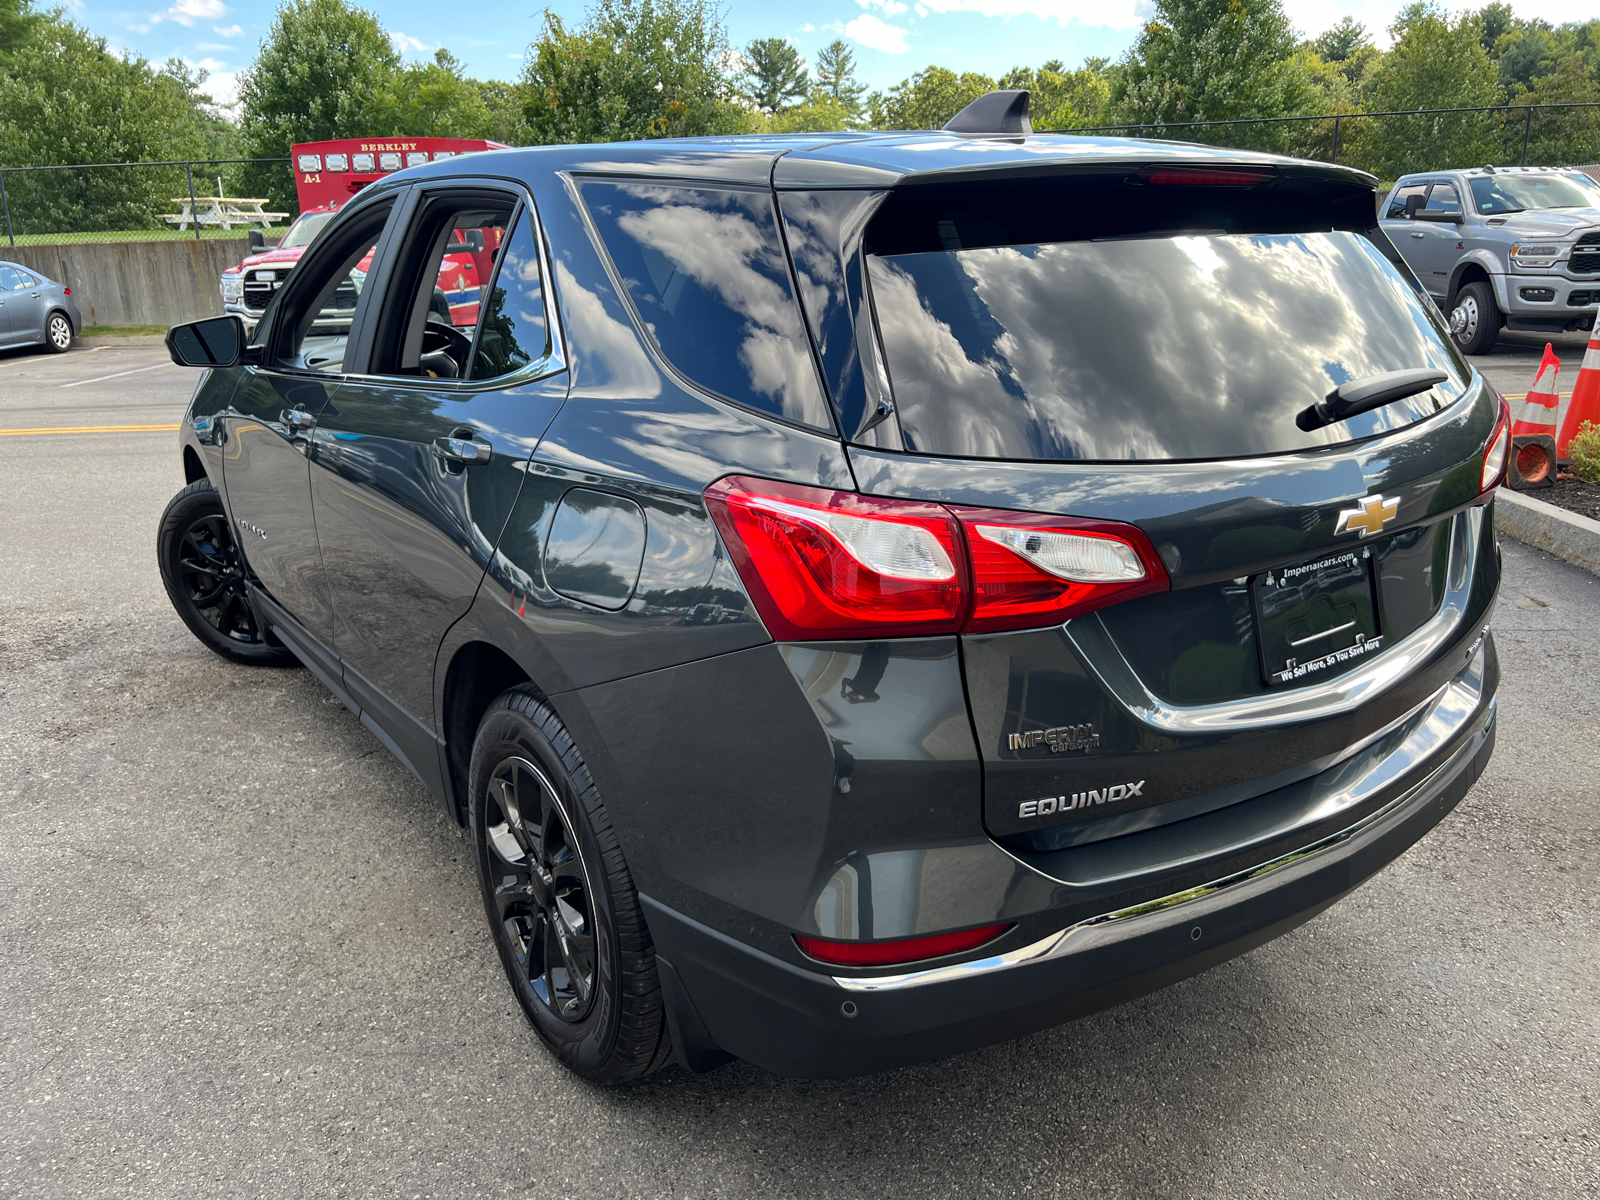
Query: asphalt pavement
242 952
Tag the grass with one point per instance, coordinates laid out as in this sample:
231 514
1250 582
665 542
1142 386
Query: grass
128 235
120 330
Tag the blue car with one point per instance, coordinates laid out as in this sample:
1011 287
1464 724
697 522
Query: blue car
35 310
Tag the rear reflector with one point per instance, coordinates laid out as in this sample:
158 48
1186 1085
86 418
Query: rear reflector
822 564
1207 176
883 954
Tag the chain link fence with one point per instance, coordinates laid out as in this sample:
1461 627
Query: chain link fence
133 202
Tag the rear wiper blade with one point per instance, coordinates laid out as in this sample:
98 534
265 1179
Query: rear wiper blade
1363 395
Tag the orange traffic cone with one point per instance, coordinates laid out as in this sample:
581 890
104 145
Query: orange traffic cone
1585 402
1533 428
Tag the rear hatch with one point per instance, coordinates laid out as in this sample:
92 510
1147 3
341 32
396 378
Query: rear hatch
1140 345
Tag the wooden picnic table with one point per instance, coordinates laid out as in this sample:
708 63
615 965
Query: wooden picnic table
224 211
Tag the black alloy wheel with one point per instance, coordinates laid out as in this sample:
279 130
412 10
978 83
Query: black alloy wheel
561 904
541 889
204 574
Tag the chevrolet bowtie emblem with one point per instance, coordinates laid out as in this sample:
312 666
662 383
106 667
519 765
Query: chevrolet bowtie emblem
1375 512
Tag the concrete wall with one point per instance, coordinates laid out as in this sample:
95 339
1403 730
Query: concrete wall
137 283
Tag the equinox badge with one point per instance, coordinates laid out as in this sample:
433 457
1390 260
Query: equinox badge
1055 804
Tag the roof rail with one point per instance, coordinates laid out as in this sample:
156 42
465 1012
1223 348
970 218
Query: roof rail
1004 111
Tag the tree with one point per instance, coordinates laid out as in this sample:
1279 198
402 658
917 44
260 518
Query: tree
927 100
503 101
432 99
1435 63
634 69
774 74
1063 99
1337 44
836 77
216 136
821 113
325 70
17 24
1560 136
78 103
1212 60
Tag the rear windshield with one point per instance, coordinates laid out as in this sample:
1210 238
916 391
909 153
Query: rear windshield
1196 345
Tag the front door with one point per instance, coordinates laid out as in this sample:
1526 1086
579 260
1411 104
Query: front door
267 429
1438 251
418 462
10 293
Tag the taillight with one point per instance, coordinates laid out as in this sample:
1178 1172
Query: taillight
1497 452
1031 569
823 564
883 954
66 291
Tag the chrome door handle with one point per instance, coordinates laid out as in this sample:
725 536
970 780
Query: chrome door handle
299 419
1419 235
467 451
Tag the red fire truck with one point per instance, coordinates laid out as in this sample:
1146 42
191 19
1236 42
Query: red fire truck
326 174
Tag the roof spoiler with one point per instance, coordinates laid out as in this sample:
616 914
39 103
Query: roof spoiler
1004 111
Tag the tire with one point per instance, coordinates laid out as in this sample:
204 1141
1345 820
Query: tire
57 333
205 579
1475 319
561 904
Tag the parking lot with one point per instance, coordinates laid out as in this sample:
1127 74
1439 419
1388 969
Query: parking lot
244 953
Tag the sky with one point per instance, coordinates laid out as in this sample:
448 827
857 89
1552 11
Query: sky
891 38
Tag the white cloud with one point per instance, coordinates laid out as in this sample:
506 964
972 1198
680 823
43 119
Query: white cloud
808 27
404 41
191 12
921 12
229 30
1117 14
890 8
877 35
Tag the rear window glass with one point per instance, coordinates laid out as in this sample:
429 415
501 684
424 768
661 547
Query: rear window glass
1196 346
706 270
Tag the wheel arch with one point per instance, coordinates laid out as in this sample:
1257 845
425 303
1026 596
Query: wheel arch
1470 270
193 469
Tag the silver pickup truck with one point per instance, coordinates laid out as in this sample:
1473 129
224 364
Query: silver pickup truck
1512 247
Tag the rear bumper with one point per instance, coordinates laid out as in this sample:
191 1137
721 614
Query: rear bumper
727 998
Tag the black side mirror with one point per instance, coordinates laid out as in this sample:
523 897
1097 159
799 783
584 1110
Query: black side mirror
1412 204
474 239
258 241
213 342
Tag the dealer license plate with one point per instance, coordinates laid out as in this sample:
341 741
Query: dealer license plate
1317 619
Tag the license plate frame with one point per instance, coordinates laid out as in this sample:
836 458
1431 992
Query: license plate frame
1316 619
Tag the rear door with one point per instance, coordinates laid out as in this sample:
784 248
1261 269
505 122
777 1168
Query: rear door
417 463
1140 353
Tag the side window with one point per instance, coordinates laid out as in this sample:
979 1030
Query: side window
708 274
513 331
327 294
430 316
10 281
24 280
1397 206
1443 198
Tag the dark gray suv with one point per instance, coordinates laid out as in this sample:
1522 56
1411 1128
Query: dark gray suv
867 596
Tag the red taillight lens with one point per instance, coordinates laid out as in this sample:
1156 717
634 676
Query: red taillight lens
883 954
1030 569
826 564
1207 176
66 291
822 564
1497 454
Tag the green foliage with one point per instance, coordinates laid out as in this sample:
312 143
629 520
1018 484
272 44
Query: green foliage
836 78
18 21
1435 63
431 99
927 100
1337 44
1212 60
502 102
634 69
774 74
1584 451
1063 99
1558 136
325 70
78 103
821 113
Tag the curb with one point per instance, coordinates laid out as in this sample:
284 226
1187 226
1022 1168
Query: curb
138 339
1565 534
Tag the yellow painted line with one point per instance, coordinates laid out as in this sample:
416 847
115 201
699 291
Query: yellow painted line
87 429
